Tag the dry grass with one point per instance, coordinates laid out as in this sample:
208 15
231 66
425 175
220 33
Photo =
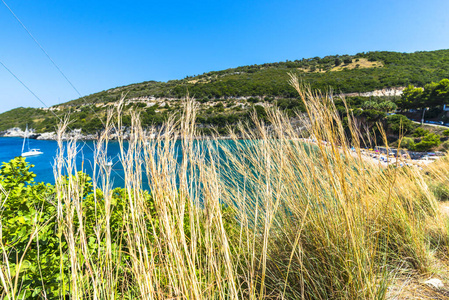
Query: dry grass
300 220
362 63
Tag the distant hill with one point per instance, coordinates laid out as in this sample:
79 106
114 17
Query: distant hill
228 95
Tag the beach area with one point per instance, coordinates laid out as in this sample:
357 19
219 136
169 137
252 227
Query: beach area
385 158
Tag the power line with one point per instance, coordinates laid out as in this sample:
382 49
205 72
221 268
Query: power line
60 71
40 46
29 90
52 61
41 101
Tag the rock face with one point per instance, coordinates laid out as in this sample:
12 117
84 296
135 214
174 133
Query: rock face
14 132
74 134
386 92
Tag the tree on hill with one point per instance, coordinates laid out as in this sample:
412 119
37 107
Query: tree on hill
434 94
428 142
399 125
438 93
411 97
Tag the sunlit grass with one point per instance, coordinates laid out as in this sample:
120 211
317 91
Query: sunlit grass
265 215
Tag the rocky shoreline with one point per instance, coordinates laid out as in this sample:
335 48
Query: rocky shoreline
74 134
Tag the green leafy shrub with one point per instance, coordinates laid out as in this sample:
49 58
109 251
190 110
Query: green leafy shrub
446 132
428 142
408 143
399 124
419 132
29 207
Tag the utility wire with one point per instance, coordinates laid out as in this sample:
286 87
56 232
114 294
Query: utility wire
25 86
40 100
60 71
52 61
42 48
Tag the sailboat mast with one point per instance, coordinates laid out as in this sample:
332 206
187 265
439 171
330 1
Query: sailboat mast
24 138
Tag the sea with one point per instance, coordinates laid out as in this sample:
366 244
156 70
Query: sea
43 165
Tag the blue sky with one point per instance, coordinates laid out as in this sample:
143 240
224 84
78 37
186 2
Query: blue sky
104 44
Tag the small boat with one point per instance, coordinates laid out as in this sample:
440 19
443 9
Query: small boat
30 152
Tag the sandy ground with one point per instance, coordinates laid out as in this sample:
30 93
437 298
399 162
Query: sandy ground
381 160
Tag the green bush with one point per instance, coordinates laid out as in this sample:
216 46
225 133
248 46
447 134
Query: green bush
31 206
419 132
446 132
399 124
428 142
408 143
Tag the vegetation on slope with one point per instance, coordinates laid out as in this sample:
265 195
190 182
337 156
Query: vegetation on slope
302 220
231 95
391 69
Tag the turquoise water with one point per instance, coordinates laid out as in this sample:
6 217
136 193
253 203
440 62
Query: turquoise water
43 164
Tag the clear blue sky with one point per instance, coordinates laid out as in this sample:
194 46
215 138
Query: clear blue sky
104 44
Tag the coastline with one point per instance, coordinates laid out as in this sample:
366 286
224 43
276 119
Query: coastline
74 134
382 160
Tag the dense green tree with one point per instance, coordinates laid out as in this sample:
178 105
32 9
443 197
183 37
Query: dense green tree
412 97
428 142
441 92
408 143
419 132
387 106
399 124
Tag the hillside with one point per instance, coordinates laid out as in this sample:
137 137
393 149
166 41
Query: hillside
227 96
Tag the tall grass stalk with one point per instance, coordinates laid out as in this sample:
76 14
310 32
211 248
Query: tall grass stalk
279 211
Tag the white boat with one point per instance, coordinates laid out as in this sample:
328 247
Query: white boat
30 152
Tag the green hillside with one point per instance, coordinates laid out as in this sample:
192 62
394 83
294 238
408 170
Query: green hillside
228 95
398 69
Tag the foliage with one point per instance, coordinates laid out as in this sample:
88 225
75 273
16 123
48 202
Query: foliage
411 97
419 132
258 82
428 142
407 143
30 207
399 124
434 94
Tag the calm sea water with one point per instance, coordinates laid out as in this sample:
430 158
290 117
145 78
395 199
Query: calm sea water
43 164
